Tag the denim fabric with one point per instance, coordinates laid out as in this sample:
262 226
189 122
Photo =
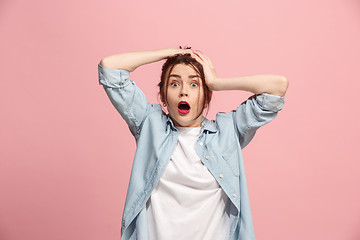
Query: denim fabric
219 147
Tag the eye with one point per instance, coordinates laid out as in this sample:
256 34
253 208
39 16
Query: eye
174 84
194 84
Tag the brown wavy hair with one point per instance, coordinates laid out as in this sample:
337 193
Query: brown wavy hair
188 60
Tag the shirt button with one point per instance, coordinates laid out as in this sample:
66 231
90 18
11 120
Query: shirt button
234 195
201 143
221 176
207 157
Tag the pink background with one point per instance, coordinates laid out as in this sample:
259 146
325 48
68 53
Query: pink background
66 154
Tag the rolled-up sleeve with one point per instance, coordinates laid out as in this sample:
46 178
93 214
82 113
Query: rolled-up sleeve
255 112
113 78
126 97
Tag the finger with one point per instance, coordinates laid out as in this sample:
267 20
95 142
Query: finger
205 58
197 53
184 51
197 57
202 56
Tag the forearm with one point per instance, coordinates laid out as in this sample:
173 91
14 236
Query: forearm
132 60
272 84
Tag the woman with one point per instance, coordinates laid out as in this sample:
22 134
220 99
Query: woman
188 178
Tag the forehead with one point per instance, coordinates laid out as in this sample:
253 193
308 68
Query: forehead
183 69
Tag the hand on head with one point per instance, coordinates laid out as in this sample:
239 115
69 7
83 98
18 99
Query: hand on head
184 50
209 69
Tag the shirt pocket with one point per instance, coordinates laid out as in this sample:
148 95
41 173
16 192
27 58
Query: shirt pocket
230 155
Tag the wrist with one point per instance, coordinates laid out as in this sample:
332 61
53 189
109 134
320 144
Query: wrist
214 84
170 52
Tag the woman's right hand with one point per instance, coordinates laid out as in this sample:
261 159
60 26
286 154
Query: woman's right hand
182 50
131 60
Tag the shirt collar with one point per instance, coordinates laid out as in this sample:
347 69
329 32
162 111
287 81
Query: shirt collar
205 124
208 125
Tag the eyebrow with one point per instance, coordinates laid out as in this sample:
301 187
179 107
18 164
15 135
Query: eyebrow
178 76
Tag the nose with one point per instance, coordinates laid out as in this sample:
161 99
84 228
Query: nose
184 92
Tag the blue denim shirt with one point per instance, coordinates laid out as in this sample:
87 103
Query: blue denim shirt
219 147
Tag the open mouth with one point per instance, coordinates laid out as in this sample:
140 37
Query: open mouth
183 107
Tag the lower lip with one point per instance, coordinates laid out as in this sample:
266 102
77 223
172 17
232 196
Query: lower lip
183 111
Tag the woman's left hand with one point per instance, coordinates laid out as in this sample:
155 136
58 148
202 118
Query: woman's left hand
209 70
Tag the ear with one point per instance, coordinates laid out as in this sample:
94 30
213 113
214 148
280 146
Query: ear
210 96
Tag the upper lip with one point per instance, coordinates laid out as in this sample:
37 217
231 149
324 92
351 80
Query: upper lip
183 102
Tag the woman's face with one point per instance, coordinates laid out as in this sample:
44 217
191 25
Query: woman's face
185 96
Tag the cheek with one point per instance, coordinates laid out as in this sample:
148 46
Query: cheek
168 94
200 95
201 101
171 100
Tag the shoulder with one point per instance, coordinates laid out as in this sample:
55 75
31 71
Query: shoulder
154 110
156 113
155 107
154 122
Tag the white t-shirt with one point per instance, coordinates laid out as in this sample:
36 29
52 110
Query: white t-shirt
187 203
